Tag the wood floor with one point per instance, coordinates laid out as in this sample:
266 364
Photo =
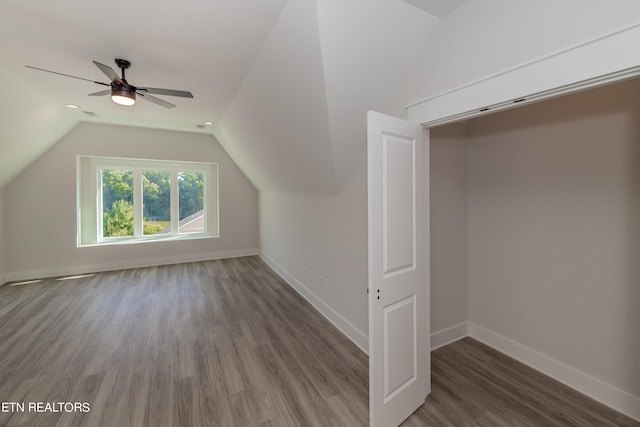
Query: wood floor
475 385
227 343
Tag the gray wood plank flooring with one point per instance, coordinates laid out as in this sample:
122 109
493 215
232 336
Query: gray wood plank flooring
228 343
475 385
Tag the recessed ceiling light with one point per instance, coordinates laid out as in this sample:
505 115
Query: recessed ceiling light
25 283
80 276
208 123
74 106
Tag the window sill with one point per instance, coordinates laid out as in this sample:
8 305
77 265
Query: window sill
146 239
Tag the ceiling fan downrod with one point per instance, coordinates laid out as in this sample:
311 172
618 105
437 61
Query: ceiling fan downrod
123 64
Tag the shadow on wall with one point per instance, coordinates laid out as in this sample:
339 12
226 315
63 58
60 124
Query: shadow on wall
586 105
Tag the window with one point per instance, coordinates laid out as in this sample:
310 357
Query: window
117 202
131 200
190 202
156 202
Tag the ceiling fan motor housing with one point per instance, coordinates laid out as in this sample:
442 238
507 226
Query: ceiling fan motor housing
122 63
123 87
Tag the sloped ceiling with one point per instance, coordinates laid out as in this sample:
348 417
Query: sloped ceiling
28 126
277 126
436 7
366 62
287 82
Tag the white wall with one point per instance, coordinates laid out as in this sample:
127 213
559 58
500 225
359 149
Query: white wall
448 233
2 238
40 204
328 236
553 231
327 230
495 35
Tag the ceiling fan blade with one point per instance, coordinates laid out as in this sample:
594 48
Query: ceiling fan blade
170 92
67 75
155 100
108 71
101 93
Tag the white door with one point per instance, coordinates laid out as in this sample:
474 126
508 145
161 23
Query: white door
397 174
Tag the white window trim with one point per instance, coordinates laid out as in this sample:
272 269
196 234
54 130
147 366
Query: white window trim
89 197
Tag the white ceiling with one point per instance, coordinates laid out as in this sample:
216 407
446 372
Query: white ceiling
206 47
287 82
437 8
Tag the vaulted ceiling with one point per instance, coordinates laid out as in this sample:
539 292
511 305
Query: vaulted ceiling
287 83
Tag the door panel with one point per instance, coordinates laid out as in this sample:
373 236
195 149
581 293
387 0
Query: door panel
398 190
400 369
398 284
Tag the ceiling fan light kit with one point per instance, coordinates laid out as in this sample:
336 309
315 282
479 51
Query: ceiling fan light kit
123 97
122 92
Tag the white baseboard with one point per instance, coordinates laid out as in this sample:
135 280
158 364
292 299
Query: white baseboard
126 264
330 314
449 335
607 394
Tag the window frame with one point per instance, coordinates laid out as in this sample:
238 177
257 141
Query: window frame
89 195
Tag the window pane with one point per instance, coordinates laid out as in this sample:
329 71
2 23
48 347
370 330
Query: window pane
191 202
156 202
117 202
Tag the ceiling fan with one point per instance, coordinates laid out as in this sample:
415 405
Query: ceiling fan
121 91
